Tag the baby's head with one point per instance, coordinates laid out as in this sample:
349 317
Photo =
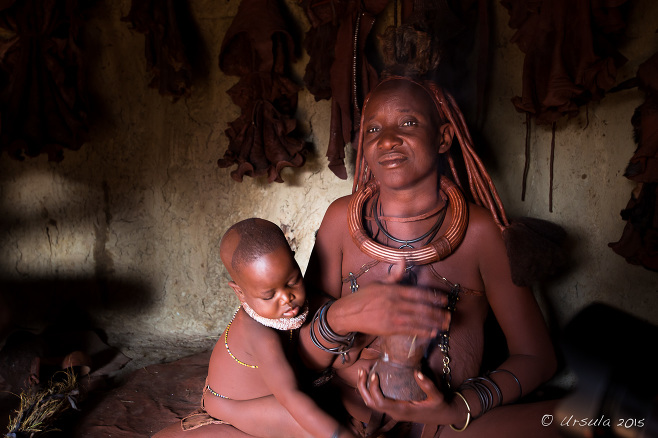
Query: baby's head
265 274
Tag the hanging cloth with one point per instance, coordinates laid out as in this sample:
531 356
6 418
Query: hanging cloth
346 25
570 58
43 104
166 60
257 47
639 241
320 43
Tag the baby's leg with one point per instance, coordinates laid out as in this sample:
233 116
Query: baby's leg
263 417
265 429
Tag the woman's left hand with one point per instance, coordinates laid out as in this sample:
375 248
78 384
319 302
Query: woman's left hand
433 410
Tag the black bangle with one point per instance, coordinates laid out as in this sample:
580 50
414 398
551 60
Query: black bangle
496 388
479 390
345 342
484 393
511 374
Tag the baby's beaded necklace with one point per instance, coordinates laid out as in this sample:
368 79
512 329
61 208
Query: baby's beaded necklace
226 343
249 311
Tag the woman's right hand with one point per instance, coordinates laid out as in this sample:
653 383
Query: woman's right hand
388 308
434 409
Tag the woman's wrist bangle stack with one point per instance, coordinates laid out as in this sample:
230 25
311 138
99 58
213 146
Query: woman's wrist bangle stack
503 370
344 342
485 387
468 414
484 393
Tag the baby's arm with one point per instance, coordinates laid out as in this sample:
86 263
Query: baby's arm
267 417
262 417
281 379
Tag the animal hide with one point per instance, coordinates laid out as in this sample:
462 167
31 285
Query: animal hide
639 240
570 58
340 29
43 105
257 47
166 59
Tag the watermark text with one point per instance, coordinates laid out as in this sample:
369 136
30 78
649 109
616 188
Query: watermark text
602 421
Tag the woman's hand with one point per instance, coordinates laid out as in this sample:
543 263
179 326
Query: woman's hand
388 308
433 410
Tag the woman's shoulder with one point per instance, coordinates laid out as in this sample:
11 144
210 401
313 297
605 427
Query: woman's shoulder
482 233
336 214
480 221
339 205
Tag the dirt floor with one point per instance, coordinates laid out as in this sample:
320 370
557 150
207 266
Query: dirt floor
119 397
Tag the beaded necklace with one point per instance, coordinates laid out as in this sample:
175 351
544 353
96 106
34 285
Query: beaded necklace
278 323
229 350
295 323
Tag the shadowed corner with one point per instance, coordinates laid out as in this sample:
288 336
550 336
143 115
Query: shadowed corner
611 354
49 325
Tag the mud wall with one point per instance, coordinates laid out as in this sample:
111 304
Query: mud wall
123 234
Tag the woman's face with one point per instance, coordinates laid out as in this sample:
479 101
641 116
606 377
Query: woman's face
400 141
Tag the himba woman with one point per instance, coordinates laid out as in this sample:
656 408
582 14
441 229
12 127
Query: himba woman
407 256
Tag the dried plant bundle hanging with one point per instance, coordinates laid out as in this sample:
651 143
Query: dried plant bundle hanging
39 409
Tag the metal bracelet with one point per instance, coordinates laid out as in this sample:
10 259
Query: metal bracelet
482 390
468 414
345 342
511 374
495 387
482 381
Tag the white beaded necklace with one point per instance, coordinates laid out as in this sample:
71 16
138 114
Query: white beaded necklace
278 323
